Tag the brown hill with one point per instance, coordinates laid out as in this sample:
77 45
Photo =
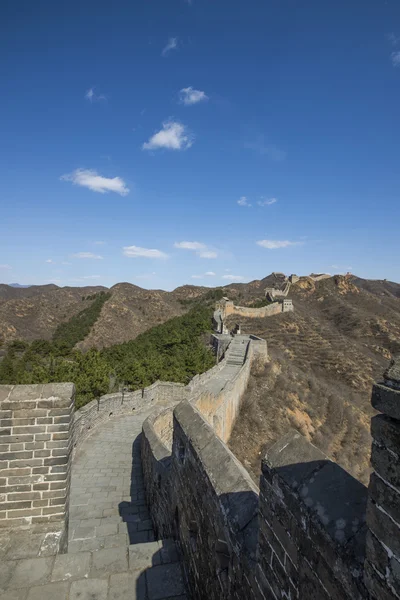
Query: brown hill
130 311
34 312
324 359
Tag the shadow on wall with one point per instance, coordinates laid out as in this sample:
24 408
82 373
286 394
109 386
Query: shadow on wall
134 512
161 576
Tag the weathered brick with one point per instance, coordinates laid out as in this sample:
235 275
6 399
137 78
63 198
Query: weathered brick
23 422
386 432
55 477
17 455
30 462
57 485
40 470
34 445
387 465
17 447
40 503
60 436
5 414
27 512
57 461
24 413
58 501
54 494
42 453
385 496
16 488
40 486
61 452
13 439
21 496
59 444
57 428
42 437
53 510
62 419
60 412
4 447
383 527
15 472
386 400
44 420
5 431
16 505
6 423
35 429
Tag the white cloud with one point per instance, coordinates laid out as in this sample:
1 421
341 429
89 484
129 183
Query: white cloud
190 245
93 97
97 183
395 57
207 254
87 255
137 252
210 273
50 261
201 249
172 44
243 201
267 201
190 96
173 136
5 267
274 244
259 145
233 277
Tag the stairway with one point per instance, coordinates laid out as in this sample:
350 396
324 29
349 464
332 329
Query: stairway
237 350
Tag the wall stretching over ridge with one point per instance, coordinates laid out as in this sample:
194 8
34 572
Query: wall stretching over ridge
307 535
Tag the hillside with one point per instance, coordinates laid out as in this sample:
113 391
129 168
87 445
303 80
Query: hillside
324 358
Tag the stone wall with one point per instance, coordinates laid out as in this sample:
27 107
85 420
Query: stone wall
382 569
254 313
97 411
313 532
35 444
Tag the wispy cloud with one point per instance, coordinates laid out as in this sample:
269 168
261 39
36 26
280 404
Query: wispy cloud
189 96
341 268
393 38
267 201
87 255
50 261
137 252
172 136
172 44
395 58
145 275
190 245
207 274
97 183
233 277
243 201
91 96
266 149
274 244
5 267
201 249
208 254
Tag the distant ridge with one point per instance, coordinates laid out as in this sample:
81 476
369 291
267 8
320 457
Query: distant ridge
18 285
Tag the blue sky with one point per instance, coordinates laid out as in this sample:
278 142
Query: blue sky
203 142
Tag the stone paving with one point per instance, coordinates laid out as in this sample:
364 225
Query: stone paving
112 551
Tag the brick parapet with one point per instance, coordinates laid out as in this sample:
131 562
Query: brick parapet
382 567
36 430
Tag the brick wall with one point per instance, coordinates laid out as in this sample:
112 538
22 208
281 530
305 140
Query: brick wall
35 453
382 567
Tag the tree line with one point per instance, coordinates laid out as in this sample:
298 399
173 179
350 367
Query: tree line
173 351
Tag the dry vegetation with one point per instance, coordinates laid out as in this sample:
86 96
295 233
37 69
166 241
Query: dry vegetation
324 359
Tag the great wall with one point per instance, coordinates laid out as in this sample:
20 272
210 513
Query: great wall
158 507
